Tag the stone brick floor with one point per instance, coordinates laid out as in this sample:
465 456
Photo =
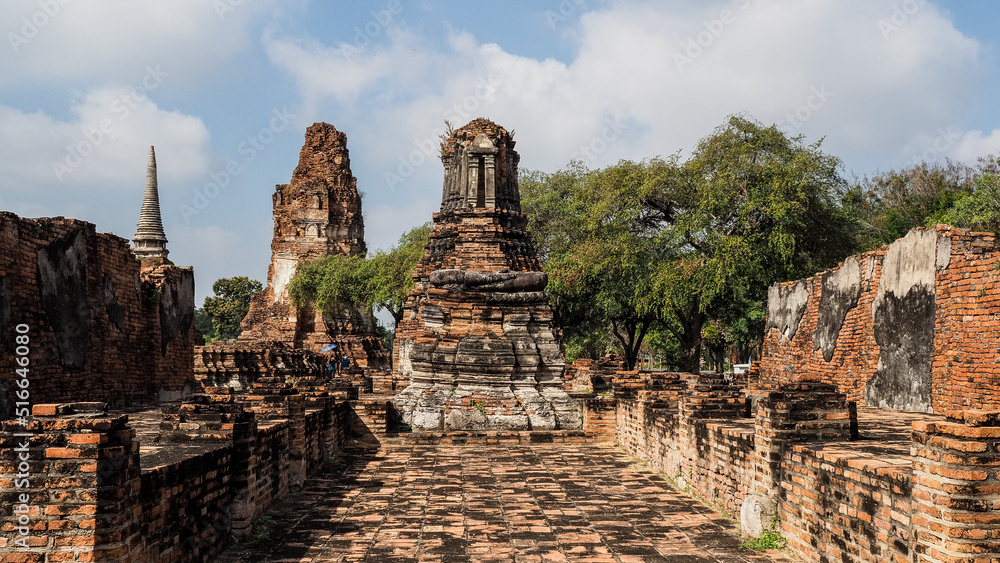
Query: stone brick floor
558 502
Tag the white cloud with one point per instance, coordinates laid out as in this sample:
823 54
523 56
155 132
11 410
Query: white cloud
664 74
98 143
74 40
974 144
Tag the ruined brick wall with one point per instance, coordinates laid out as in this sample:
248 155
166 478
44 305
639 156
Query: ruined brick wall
54 481
677 431
836 500
911 326
592 376
269 466
88 496
599 416
99 329
185 508
966 359
847 506
317 214
240 364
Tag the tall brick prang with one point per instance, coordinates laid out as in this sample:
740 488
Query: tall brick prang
317 214
477 341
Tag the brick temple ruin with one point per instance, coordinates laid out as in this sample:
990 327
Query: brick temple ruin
477 341
912 326
317 214
870 430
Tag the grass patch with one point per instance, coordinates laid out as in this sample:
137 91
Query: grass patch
261 528
767 540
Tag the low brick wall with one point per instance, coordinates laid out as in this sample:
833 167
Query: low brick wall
924 497
86 497
599 416
847 506
186 507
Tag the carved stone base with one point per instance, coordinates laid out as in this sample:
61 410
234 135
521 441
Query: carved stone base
442 407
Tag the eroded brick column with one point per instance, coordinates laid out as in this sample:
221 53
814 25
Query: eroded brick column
272 398
712 397
80 471
956 488
796 412
244 475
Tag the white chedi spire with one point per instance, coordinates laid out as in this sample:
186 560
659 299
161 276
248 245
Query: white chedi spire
149 240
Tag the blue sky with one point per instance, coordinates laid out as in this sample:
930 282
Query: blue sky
224 86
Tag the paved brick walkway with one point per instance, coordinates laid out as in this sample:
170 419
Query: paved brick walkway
559 502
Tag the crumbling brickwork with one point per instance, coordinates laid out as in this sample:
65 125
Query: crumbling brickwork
476 340
99 327
920 488
592 376
238 365
317 214
91 494
912 326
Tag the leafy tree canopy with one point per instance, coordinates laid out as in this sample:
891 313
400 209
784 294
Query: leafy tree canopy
230 304
204 325
978 209
336 281
675 244
392 271
886 206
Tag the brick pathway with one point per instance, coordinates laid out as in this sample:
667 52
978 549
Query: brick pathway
559 502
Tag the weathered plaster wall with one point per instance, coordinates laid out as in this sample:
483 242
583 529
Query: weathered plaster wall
98 328
841 290
911 326
785 306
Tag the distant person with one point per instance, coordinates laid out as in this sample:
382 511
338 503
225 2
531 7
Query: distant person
345 363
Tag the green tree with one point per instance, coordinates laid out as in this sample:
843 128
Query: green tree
230 304
330 283
588 228
978 209
749 208
204 325
678 244
334 282
391 272
886 206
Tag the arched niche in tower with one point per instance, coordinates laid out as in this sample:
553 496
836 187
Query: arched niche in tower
480 168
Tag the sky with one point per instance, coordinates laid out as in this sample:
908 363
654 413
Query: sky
224 89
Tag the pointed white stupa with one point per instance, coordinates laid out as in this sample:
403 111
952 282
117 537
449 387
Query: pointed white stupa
149 240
